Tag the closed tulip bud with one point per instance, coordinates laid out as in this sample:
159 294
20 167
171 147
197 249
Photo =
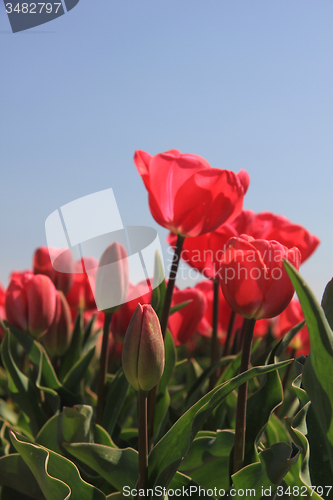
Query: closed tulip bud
143 349
57 264
30 303
112 279
58 337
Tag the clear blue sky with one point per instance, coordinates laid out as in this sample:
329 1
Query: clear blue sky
243 83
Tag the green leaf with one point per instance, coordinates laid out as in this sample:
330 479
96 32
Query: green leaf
285 341
73 378
57 477
22 390
207 461
159 286
267 474
168 453
300 472
117 466
197 389
163 397
318 369
47 381
115 398
327 302
259 409
15 474
72 425
73 353
178 307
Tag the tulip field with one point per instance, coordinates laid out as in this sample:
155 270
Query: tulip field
111 389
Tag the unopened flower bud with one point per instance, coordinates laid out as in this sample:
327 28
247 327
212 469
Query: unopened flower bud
143 349
58 337
112 279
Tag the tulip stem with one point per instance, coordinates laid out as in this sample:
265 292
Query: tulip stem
214 346
103 367
143 441
239 448
171 284
229 334
164 323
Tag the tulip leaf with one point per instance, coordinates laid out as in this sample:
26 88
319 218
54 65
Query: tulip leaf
285 341
57 477
72 425
207 461
163 397
259 409
159 286
22 391
299 474
168 453
47 380
118 467
197 389
72 380
183 482
115 398
318 369
178 307
73 353
327 302
275 462
15 474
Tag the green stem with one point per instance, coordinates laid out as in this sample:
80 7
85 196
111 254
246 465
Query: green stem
103 367
143 442
229 334
239 449
164 323
215 346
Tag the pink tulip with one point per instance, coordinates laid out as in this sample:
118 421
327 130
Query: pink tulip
30 303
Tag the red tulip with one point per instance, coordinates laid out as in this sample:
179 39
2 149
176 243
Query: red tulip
58 337
289 318
81 296
187 195
62 269
112 279
185 322
253 279
31 303
2 307
120 320
143 350
205 328
204 252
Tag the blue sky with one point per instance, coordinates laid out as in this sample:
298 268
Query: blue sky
243 83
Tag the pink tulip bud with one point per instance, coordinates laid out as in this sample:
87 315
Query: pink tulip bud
30 303
57 264
112 279
143 349
58 337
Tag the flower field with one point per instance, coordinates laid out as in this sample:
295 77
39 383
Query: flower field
112 389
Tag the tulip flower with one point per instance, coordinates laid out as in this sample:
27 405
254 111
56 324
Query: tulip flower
187 195
58 337
184 323
143 350
62 269
2 307
137 294
30 303
253 279
204 253
112 279
80 295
